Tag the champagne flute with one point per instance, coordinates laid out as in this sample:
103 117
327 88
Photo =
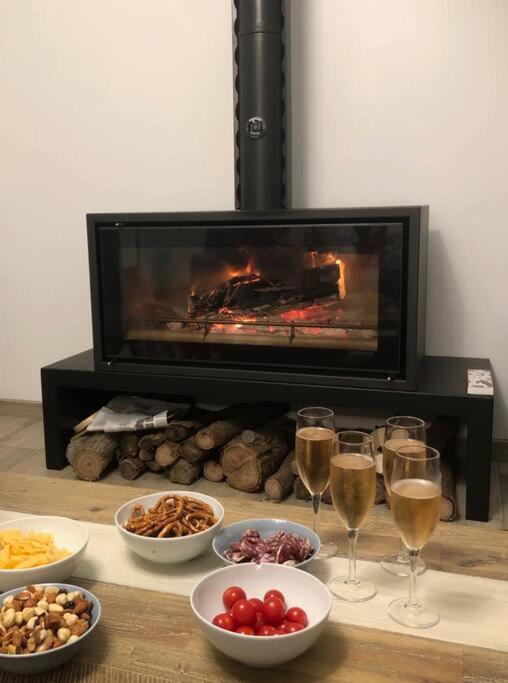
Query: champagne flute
399 431
353 488
415 500
315 441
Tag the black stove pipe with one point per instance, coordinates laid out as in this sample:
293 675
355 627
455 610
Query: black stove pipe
260 116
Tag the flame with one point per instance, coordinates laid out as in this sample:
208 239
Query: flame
249 269
341 282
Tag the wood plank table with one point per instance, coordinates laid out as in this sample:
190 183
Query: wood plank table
148 636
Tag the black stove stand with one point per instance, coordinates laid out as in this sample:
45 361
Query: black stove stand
72 389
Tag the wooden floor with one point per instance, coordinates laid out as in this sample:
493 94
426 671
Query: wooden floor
22 451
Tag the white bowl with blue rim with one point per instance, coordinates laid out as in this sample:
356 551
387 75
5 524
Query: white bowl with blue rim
265 527
37 662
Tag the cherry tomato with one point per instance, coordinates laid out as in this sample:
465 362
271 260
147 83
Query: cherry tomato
244 612
246 630
282 629
293 628
272 593
260 620
231 595
258 604
296 615
273 609
224 621
266 630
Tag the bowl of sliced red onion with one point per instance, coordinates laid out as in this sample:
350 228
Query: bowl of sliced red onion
266 541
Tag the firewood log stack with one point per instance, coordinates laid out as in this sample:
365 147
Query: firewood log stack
248 445
193 447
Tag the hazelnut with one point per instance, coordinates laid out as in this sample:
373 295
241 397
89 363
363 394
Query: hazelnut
70 618
63 634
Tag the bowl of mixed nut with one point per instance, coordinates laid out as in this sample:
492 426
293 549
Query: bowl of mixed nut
42 626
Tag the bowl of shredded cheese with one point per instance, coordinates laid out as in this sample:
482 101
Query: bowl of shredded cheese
39 549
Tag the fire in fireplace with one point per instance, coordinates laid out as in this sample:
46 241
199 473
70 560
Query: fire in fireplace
333 292
276 296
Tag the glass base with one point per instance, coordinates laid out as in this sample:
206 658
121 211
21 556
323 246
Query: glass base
327 549
423 616
352 591
398 564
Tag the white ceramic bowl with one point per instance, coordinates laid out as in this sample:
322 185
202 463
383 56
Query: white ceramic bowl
169 550
66 534
300 590
266 527
44 661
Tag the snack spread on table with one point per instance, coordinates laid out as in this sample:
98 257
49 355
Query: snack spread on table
23 550
39 619
171 517
255 617
281 548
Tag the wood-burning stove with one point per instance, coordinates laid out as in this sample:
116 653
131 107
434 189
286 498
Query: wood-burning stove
335 294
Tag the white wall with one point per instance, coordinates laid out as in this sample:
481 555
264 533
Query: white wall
105 105
109 105
406 102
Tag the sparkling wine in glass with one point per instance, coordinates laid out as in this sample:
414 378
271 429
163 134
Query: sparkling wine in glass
315 443
353 489
415 501
400 430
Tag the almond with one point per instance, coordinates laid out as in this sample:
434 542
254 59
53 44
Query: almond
81 606
79 627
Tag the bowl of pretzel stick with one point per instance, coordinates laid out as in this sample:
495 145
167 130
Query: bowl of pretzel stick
170 527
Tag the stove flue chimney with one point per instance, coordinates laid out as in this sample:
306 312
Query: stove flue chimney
260 135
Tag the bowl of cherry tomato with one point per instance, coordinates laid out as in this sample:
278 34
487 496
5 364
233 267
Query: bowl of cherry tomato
261 614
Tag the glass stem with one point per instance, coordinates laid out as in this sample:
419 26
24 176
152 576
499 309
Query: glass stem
316 503
413 563
402 556
352 535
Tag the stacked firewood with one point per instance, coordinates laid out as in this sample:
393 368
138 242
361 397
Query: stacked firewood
250 446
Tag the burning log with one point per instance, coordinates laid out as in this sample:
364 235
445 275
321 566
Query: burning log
280 484
91 455
184 472
251 457
242 417
251 291
212 470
